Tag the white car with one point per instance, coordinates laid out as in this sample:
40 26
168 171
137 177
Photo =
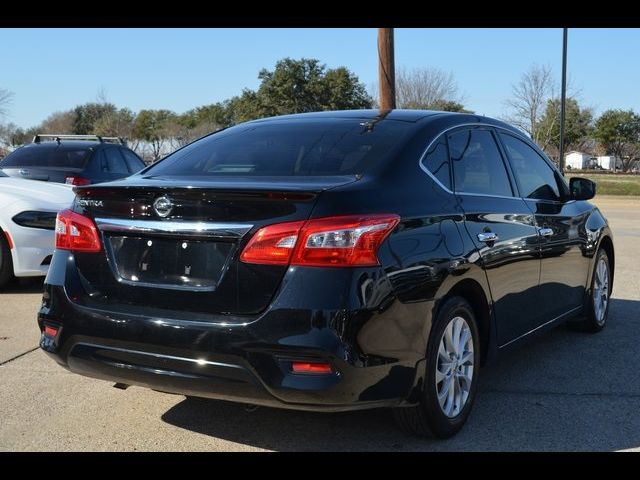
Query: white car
28 211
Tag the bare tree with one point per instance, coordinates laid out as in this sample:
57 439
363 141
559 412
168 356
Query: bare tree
529 99
58 122
5 100
424 87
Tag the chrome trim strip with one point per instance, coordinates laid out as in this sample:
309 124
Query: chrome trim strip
225 230
159 355
559 317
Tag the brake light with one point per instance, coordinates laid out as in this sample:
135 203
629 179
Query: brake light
78 181
307 367
76 232
272 245
350 240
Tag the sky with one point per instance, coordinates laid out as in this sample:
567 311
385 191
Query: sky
51 70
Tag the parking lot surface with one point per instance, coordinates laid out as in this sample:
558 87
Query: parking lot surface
566 391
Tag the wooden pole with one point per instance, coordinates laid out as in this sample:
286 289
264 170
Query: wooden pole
386 69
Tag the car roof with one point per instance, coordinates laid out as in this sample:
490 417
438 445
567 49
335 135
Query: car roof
410 116
72 145
366 114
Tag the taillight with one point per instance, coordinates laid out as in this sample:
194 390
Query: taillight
76 232
272 245
351 240
77 181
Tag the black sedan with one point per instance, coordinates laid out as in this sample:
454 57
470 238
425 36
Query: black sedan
328 261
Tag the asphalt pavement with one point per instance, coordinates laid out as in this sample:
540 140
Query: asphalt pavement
566 391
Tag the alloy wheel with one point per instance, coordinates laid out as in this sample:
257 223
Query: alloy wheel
454 369
601 290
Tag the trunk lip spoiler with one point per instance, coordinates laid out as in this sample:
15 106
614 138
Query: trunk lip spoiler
177 228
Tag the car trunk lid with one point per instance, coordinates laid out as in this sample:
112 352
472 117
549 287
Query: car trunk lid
176 244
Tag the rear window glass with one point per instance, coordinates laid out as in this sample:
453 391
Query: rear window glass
338 147
46 157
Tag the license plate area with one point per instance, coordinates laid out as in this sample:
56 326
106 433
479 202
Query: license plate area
174 263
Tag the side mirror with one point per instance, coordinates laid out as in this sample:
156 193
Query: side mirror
582 188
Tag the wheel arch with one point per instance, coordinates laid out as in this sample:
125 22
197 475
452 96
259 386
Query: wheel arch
606 243
473 292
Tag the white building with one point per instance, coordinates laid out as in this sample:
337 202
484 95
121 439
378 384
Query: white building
606 162
577 160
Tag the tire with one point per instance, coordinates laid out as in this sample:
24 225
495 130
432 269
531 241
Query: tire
6 262
428 418
596 314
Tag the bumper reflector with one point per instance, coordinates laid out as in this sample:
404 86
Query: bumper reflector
50 331
306 367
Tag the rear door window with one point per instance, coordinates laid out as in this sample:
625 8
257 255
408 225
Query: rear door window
133 161
46 156
477 163
114 162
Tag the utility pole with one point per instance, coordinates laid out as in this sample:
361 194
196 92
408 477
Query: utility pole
386 69
563 97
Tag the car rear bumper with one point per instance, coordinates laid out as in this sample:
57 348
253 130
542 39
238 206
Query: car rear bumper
32 251
241 361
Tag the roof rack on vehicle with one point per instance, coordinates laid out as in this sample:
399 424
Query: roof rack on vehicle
59 137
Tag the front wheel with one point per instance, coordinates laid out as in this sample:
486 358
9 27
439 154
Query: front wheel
453 361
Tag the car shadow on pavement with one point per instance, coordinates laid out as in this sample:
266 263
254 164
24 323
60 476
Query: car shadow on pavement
565 391
24 285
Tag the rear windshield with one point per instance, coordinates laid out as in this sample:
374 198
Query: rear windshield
283 148
46 157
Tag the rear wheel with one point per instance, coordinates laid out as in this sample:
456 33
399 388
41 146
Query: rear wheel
597 306
453 359
6 262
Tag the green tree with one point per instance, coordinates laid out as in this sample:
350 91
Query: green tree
578 123
618 131
342 90
449 106
117 123
153 127
89 114
297 86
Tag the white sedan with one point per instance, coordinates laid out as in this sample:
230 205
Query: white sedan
28 211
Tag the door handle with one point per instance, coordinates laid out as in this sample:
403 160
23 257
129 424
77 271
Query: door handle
545 232
487 237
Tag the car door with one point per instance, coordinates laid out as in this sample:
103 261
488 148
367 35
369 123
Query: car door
501 226
561 223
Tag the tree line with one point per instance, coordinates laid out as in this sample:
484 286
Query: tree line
306 85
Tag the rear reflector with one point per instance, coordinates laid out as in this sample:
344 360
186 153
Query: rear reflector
317 368
77 181
350 240
50 331
9 241
76 232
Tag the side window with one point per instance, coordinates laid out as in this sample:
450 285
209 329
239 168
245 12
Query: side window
133 161
535 177
436 161
477 163
114 163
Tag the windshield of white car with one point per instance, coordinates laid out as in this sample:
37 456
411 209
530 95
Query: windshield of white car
2 174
